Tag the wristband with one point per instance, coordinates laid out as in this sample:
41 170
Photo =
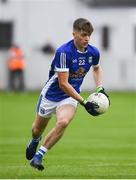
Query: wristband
98 89
83 102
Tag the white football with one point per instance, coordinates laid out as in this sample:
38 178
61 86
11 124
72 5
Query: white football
101 100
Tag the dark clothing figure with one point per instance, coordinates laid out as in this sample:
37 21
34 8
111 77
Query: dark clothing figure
16 80
16 66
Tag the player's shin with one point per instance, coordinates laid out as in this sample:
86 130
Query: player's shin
31 148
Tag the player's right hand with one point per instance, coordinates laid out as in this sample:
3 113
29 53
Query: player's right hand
90 107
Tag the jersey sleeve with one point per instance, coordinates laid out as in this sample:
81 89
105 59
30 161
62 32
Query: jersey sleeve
96 57
61 62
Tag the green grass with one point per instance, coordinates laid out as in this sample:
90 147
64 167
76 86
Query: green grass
92 148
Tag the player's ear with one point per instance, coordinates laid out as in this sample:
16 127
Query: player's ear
75 33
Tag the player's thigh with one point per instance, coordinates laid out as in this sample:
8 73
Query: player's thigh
40 122
65 113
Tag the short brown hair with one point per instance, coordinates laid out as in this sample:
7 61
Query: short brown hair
82 24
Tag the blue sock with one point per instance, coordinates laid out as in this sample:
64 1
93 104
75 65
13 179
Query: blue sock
41 152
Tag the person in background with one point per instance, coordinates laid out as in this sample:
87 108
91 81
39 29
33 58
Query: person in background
16 67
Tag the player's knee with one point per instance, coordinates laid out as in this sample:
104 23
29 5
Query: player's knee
63 123
35 130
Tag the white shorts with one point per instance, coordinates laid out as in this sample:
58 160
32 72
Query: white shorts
46 108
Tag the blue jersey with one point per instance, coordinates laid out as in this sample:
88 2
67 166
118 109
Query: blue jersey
76 63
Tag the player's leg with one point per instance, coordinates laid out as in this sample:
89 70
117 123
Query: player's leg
44 112
64 115
65 112
37 129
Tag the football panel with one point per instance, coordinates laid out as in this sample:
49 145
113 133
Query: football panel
101 100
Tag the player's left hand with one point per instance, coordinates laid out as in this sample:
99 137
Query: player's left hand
102 90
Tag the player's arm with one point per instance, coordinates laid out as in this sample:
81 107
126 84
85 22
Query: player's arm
62 65
68 89
98 75
98 78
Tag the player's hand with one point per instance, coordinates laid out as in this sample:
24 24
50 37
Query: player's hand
102 90
90 107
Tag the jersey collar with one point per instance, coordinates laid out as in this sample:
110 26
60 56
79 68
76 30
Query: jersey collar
82 52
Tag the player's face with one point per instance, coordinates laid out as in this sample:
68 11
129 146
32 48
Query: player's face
81 39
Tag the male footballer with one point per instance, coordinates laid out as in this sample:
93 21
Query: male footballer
61 93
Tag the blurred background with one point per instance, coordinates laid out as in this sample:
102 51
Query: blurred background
30 31
38 27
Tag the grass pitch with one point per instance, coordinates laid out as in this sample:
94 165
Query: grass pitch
92 148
